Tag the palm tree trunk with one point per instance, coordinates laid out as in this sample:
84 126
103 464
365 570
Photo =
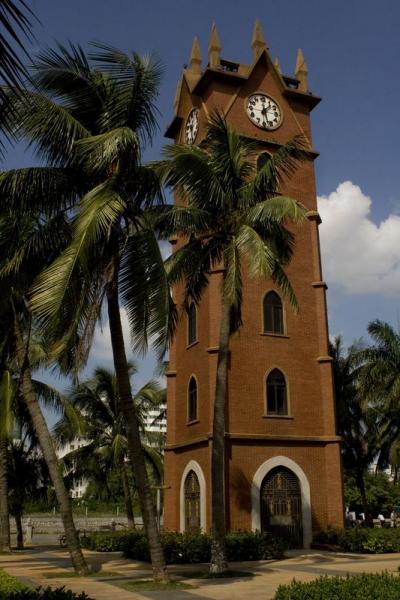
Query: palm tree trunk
127 496
49 454
5 545
361 486
219 562
20 534
135 451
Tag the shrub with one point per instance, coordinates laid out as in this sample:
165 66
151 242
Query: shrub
362 539
189 548
360 587
46 594
8 584
109 541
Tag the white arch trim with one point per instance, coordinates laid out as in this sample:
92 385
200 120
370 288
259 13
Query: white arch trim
262 471
193 466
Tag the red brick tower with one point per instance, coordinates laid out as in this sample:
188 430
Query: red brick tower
283 467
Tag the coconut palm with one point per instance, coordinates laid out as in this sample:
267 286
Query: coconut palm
26 243
380 387
231 216
89 122
27 479
358 423
94 413
7 387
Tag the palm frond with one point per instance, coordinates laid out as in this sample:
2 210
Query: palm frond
40 189
145 291
104 151
136 79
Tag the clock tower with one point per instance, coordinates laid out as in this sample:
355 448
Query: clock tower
282 453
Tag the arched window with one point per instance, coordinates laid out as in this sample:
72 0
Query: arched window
192 400
192 502
273 313
192 323
262 160
276 393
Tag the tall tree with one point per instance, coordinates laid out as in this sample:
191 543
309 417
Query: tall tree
232 216
93 411
26 243
358 422
92 136
7 390
28 478
380 387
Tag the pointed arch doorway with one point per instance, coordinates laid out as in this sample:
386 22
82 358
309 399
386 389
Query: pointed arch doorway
280 504
261 475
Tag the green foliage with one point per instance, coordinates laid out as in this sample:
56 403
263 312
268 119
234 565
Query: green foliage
382 494
362 539
45 594
8 584
360 587
190 548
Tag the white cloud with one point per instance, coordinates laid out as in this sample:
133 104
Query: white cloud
357 254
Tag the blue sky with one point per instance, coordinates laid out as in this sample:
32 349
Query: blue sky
352 48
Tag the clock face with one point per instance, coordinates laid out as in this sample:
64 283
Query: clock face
192 126
263 111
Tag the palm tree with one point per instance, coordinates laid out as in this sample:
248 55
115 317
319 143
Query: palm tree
232 216
25 245
7 388
91 137
28 477
380 387
93 411
15 25
358 423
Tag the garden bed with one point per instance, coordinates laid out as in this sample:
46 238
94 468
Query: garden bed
189 548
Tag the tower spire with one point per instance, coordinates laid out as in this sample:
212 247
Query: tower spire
258 43
214 48
301 71
278 65
195 58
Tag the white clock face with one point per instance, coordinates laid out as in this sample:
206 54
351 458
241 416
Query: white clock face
263 111
192 126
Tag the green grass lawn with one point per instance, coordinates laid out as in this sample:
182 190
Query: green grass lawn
148 585
208 575
66 574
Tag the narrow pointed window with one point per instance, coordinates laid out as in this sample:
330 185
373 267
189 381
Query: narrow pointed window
192 502
273 313
276 393
192 400
192 323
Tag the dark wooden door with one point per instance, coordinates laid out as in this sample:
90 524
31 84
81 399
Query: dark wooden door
281 506
192 502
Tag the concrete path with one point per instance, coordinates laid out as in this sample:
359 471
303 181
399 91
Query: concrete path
264 576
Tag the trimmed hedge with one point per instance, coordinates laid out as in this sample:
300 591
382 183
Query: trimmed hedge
362 539
45 594
8 584
189 548
360 587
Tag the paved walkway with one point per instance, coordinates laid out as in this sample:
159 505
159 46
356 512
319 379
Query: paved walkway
264 576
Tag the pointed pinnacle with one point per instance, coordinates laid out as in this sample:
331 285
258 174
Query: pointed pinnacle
195 53
195 57
277 65
258 36
215 43
258 43
301 65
